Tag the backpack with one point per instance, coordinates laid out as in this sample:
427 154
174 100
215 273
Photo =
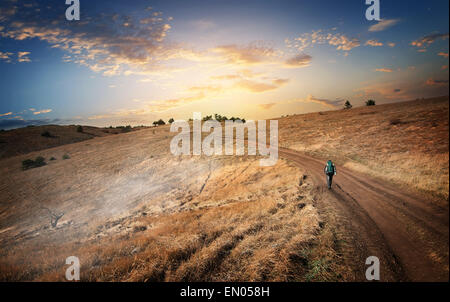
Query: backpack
330 167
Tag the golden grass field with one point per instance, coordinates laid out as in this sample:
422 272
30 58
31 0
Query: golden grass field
405 143
134 212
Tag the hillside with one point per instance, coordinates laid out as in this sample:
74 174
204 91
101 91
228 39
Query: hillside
405 143
25 140
134 212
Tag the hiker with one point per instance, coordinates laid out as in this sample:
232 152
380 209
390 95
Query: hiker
330 170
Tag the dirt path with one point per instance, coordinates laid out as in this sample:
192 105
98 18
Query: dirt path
407 232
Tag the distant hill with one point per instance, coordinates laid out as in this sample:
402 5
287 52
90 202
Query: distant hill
34 138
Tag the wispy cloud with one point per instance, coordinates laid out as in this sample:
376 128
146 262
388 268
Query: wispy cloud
343 42
384 70
6 56
6 114
254 86
22 56
383 25
443 54
332 104
116 44
42 111
252 54
317 37
20 122
301 60
374 43
426 41
266 106
432 82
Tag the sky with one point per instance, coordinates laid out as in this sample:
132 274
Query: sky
133 62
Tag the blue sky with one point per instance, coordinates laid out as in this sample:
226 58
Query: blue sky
133 62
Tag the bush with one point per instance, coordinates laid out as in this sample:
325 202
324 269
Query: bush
66 156
370 103
46 134
347 105
126 129
160 122
171 120
29 163
52 158
80 129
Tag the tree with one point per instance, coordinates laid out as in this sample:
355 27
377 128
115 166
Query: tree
207 118
159 122
171 120
347 105
370 103
80 129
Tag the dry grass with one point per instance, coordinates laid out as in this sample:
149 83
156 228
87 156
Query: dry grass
405 143
24 140
133 212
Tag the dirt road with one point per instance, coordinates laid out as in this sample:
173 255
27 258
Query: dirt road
407 232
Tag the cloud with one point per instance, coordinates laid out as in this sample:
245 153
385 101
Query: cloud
254 86
332 104
280 82
254 53
257 87
426 41
301 60
6 114
384 70
6 56
343 42
443 54
22 56
383 24
318 37
266 106
373 43
391 44
115 44
18 122
432 82
42 111
407 89
444 67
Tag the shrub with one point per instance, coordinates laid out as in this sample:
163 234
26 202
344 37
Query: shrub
370 103
65 156
347 105
160 122
52 158
29 163
46 134
80 129
126 129
395 121
220 118
171 120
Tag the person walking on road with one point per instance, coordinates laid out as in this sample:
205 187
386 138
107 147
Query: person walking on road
330 171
